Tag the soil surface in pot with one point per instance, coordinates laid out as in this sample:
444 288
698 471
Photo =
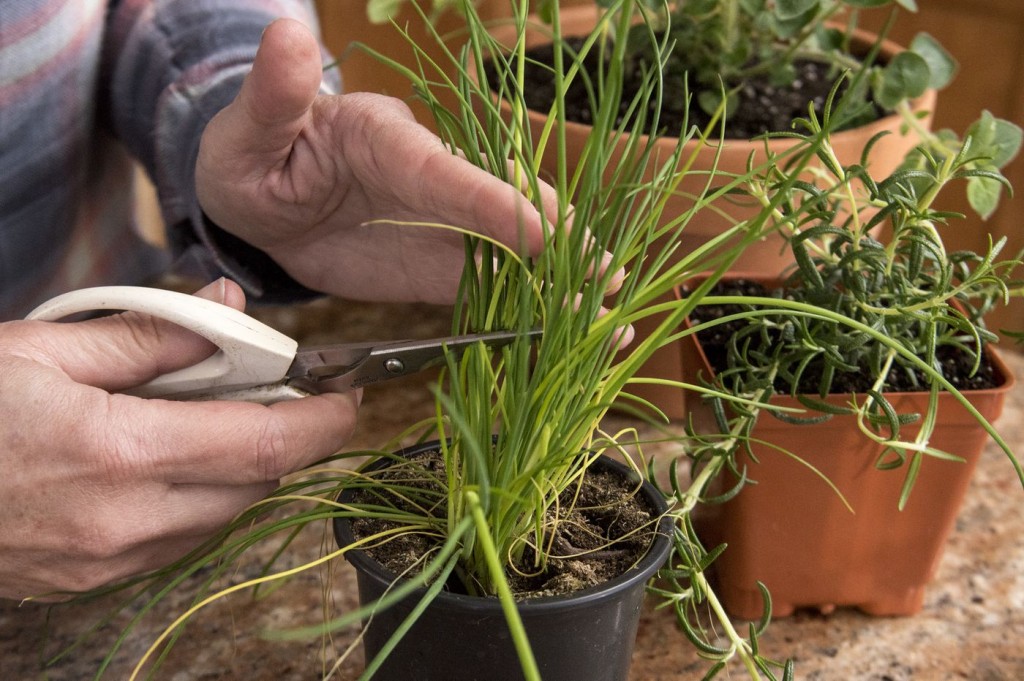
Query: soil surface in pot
762 105
604 529
956 364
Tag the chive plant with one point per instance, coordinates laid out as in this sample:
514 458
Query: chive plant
517 433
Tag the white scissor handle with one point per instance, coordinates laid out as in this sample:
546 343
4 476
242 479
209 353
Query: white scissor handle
251 359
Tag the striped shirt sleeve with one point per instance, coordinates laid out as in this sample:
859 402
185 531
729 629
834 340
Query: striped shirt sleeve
172 65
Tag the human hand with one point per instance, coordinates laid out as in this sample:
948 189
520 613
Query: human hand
307 178
96 485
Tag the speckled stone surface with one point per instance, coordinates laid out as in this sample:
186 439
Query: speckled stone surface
972 625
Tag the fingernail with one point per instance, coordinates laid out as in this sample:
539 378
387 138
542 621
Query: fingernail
215 291
221 289
617 278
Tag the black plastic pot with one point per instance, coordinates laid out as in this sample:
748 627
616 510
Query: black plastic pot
586 636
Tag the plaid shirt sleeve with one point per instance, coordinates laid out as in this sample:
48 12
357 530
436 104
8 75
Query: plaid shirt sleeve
81 83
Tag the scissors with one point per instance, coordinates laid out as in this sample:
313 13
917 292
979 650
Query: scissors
256 363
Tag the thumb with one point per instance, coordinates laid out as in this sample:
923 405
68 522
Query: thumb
124 350
271 108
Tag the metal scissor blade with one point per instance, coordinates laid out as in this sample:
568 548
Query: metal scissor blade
354 365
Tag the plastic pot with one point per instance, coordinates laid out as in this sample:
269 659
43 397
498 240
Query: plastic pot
792 532
587 635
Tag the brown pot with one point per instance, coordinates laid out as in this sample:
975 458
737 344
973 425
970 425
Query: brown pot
766 258
793 533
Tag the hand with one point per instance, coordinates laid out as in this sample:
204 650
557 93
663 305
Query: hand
304 177
98 486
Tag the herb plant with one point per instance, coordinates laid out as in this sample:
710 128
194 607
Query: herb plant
874 294
723 46
716 48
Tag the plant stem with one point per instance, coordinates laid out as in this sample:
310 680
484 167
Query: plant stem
739 644
730 25
692 496
508 603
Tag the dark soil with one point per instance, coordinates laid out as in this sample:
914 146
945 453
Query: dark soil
956 364
604 530
762 106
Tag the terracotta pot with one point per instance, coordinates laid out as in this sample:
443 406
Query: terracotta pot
584 636
768 257
792 532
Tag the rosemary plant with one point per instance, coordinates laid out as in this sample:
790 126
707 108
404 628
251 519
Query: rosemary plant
874 293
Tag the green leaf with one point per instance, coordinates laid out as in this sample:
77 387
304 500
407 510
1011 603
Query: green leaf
790 9
996 139
941 63
825 407
709 101
830 38
908 483
782 74
906 76
704 6
380 11
983 194
789 26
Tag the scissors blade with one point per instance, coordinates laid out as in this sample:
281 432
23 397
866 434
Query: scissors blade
348 366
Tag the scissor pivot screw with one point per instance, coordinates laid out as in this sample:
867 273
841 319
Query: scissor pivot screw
394 366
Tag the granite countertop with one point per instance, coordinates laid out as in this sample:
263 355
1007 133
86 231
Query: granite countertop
972 625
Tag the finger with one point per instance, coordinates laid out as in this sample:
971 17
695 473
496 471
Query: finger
622 336
259 127
125 350
234 443
177 510
612 280
476 199
548 197
160 529
168 527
